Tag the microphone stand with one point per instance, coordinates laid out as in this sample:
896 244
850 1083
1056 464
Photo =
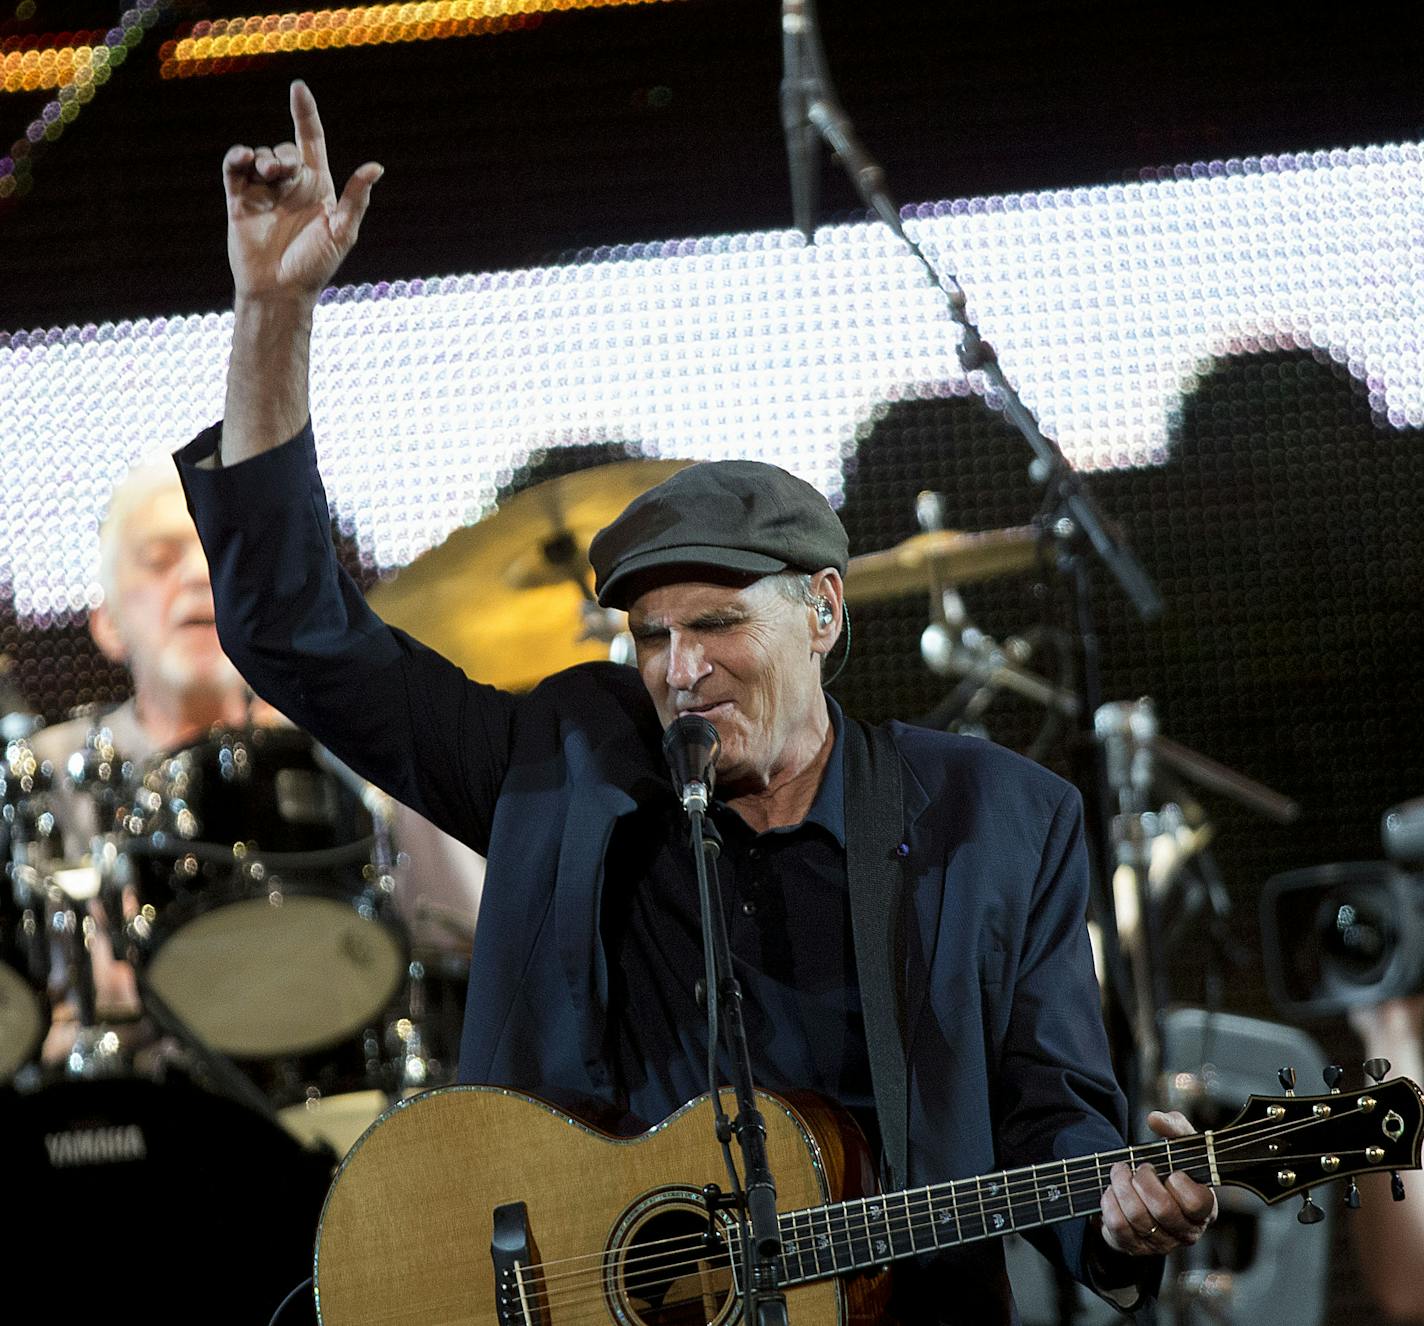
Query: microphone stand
1073 521
764 1302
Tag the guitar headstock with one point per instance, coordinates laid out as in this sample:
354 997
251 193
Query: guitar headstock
1279 1146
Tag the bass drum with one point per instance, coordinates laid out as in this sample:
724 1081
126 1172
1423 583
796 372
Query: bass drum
252 905
172 1204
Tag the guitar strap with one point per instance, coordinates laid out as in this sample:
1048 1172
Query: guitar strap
875 871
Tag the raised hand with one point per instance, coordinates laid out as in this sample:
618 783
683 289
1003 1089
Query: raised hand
1143 1214
287 231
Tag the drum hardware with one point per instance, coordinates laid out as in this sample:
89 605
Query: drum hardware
74 930
1153 844
26 829
509 599
24 974
418 1070
938 561
986 666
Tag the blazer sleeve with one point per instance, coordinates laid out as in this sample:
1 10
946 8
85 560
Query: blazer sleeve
299 631
1057 1095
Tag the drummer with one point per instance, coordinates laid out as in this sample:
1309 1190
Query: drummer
156 618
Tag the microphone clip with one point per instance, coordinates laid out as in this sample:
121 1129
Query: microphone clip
695 797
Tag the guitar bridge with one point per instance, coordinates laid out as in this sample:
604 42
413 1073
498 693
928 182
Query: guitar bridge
519 1294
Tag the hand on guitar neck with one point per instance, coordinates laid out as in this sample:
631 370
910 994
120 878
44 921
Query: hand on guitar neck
1142 1214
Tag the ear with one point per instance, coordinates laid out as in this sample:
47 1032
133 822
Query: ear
826 586
105 633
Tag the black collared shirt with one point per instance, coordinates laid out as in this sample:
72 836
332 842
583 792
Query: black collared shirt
784 895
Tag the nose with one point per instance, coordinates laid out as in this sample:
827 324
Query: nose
687 661
193 566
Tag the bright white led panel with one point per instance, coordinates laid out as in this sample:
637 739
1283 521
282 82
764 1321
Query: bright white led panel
1105 305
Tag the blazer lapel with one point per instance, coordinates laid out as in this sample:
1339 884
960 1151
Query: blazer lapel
925 882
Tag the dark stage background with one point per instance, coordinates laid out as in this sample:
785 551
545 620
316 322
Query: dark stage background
1284 532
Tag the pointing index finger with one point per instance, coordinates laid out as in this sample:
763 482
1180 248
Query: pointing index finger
306 125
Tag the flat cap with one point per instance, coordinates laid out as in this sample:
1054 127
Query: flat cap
734 515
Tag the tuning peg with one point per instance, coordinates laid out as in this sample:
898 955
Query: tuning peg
1352 1196
1396 1186
1376 1068
1332 1074
1309 1213
1287 1080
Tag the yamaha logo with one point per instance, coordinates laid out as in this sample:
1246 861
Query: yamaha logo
95 1146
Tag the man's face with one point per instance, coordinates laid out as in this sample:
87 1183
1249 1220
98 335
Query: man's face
746 659
159 618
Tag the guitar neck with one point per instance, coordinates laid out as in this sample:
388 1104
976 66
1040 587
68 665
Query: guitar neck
869 1232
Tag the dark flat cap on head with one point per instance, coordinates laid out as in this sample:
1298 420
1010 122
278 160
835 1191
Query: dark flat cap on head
743 516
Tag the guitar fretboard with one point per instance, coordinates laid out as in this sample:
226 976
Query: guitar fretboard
873 1231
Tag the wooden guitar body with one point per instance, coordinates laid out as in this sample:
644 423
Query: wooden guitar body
406 1233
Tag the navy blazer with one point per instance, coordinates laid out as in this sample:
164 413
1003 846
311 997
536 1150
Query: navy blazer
1007 1058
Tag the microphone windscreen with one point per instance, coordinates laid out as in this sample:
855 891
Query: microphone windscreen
690 746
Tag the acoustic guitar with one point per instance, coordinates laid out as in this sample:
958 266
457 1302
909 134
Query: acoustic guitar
485 1206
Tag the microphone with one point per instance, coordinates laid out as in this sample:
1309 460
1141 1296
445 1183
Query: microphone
802 139
690 747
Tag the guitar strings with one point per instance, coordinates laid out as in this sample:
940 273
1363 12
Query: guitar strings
554 1290
673 1270
685 1244
904 1213
1014 1188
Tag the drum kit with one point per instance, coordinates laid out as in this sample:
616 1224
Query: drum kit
244 880
252 894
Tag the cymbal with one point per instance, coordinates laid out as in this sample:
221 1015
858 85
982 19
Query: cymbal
945 557
502 598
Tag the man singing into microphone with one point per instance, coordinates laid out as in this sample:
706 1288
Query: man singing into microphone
582 978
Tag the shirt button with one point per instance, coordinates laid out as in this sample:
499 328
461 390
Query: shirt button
749 909
756 853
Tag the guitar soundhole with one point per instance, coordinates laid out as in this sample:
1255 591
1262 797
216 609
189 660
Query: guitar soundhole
665 1271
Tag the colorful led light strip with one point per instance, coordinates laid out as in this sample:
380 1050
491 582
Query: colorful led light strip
78 64
89 68
212 47
1105 304
53 64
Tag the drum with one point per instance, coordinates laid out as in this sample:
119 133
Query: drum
332 1097
25 824
251 902
172 1204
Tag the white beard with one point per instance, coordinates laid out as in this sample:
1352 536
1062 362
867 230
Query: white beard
180 673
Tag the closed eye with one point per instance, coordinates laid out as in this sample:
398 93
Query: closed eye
716 621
